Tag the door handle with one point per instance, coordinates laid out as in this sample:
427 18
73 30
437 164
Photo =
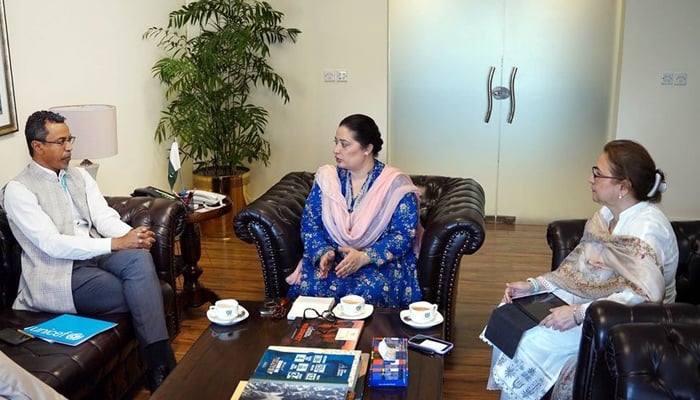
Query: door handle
511 114
489 101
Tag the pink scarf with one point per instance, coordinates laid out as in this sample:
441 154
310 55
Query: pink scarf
363 226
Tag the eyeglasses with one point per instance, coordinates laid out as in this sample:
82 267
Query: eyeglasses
327 315
61 141
597 174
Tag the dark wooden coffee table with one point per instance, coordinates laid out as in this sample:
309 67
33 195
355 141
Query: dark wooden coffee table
223 356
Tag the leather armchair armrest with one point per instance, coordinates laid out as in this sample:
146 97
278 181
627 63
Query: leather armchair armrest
654 361
452 214
166 218
593 379
562 237
688 273
273 223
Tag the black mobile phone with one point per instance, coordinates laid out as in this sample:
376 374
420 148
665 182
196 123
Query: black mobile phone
13 336
430 345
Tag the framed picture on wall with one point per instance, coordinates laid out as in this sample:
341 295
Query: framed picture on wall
8 112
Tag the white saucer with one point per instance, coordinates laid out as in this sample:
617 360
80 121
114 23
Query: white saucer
242 314
338 311
419 325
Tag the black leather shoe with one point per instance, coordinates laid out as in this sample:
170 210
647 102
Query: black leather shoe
155 377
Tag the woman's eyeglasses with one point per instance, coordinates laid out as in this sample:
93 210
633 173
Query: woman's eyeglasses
327 315
597 174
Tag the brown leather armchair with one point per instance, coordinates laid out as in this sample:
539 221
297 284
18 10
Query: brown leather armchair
108 365
451 211
647 351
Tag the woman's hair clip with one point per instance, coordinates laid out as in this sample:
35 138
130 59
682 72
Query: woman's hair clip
659 185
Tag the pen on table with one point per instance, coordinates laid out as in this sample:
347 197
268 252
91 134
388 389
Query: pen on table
26 334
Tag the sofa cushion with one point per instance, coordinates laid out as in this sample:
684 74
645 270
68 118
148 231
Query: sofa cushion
76 371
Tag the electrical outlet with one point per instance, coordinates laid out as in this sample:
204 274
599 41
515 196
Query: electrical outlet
341 75
328 75
667 78
680 78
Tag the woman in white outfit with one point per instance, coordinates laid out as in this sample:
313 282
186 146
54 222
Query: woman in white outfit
628 254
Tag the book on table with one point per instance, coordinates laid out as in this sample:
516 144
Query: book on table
356 394
288 371
68 329
389 362
508 322
359 391
320 304
340 334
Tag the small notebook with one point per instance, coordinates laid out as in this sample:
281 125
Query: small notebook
509 321
320 304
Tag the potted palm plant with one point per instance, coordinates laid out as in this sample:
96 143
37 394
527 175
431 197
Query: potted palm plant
216 52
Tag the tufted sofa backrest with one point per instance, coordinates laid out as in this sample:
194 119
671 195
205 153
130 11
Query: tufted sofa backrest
10 265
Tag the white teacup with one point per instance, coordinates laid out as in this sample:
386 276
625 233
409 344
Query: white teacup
422 311
226 309
352 304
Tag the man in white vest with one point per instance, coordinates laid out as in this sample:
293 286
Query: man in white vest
78 256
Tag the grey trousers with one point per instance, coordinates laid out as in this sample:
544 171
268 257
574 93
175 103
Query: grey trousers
122 281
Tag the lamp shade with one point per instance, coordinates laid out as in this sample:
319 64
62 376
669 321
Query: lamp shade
94 126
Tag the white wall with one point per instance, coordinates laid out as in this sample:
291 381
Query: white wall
336 34
86 51
82 51
662 36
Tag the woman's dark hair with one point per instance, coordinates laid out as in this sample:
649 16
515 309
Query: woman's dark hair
35 128
365 131
631 161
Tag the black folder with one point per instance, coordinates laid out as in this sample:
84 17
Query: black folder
509 321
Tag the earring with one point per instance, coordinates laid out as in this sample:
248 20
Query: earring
366 153
619 196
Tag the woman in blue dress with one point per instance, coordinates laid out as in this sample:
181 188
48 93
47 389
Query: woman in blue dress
359 226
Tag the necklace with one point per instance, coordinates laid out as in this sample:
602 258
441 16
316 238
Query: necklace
349 200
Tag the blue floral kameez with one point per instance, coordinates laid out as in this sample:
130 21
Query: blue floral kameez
390 280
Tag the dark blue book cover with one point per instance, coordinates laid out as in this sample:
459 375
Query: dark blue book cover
313 366
69 329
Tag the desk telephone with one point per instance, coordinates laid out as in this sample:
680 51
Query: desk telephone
198 197
210 199
150 191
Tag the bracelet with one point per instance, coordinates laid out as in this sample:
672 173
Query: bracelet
535 285
576 321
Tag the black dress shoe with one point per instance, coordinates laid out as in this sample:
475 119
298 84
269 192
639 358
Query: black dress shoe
155 377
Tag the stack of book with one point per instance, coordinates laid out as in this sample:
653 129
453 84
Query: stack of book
316 359
289 372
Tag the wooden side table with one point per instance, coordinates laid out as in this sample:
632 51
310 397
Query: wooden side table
194 294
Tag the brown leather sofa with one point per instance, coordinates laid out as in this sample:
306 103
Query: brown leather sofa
647 351
108 365
451 211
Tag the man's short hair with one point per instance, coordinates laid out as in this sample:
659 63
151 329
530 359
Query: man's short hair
35 129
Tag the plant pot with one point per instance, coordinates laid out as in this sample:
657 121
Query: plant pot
233 186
